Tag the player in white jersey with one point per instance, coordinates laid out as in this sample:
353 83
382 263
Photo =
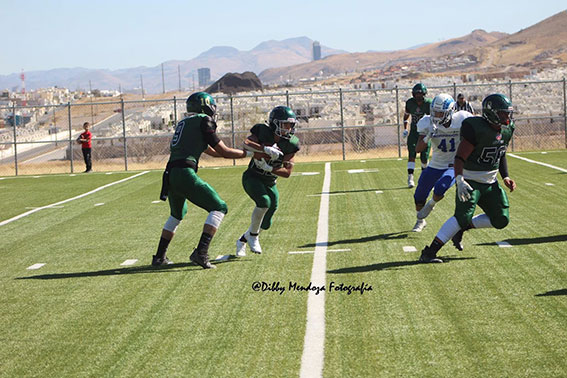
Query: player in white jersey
442 128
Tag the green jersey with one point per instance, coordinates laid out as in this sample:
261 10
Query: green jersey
489 147
266 137
191 138
417 111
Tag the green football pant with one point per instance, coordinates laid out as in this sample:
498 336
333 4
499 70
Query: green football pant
491 198
412 143
264 196
184 184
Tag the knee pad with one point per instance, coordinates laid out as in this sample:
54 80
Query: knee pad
500 222
214 218
264 202
171 224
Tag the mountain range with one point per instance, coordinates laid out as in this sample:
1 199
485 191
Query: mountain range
539 46
219 59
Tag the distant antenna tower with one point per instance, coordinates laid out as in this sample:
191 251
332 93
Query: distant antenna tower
23 78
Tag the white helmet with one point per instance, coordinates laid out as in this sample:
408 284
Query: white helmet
442 108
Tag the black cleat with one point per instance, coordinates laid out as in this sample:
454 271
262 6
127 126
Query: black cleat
428 257
201 259
458 240
158 261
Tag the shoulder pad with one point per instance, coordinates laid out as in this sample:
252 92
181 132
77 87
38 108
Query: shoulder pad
423 124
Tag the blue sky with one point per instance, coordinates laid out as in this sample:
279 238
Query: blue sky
42 35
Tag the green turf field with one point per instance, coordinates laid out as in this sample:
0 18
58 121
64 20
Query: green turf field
487 312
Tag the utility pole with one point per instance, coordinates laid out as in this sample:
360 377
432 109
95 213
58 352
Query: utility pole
162 79
142 85
179 76
91 95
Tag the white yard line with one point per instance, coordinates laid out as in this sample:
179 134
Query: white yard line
129 262
409 248
503 244
538 162
314 342
35 266
69 199
328 250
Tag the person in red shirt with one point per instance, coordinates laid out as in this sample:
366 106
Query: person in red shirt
85 141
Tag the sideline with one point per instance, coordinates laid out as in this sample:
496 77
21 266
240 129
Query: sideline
537 162
69 199
314 342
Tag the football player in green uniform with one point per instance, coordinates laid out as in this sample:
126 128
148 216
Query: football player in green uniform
274 145
193 136
481 155
416 107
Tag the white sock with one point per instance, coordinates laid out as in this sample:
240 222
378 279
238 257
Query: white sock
423 165
448 230
256 221
431 203
411 164
481 221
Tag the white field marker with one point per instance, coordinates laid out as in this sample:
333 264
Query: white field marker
72 175
328 250
503 244
538 162
99 204
544 152
108 173
52 207
35 266
70 199
314 342
156 201
409 248
326 194
305 173
129 262
379 192
549 184
363 161
222 257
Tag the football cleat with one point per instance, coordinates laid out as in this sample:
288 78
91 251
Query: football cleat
428 257
201 259
458 240
241 247
425 211
411 183
254 243
159 261
419 225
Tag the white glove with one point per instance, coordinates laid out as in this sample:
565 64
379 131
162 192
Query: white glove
463 189
261 164
405 133
273 152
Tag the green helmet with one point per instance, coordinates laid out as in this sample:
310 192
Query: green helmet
419 88
279 115
202 102
493 106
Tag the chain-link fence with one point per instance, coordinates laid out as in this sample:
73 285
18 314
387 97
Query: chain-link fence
333 125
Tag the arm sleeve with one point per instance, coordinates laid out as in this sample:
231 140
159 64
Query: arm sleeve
503 167
407 109
209 130
467 133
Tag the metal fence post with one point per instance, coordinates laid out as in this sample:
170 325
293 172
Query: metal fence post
565 110
232 127
124 134
15 138
70 134
342 122
455 91
510 96
398 122
287 98
174 111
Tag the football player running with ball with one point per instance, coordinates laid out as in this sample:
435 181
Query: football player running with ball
274 145
480 156
442 128
193 136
